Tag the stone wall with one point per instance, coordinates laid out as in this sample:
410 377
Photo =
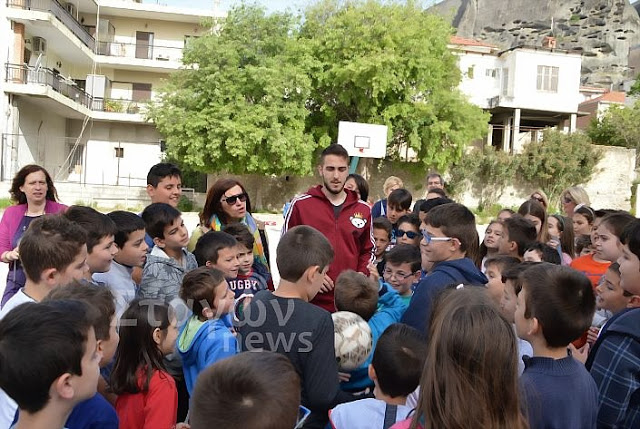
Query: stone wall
609 188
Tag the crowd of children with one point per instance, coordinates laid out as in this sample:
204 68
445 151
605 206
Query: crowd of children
118 325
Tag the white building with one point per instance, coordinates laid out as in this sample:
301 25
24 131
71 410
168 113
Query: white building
77 76
526 88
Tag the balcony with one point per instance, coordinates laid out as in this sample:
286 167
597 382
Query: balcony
120 110
24 75
57 10
141 56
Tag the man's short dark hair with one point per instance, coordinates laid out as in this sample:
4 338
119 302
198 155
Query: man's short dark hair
400 199
457 221
209 245
238 392
96 224
126 223
336 150
300 248
398 360
157 216
52 241
404 254
631 237
99 298
562 300
241 233
38 344
548 253
356 293
383 223
521 231
162 170
199 288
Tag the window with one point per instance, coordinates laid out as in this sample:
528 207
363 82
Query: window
141 92
188 39
505 81
492 73
470 72
119 152
547 78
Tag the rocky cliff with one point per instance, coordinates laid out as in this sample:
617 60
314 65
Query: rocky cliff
605 31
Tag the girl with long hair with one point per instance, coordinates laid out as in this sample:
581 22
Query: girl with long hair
470 377
147 394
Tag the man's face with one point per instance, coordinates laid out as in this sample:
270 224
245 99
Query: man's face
508 302
434 182
334 171
168 191
227 262
245 258
394 213
522 323
76 270
495 287
134 250
102 254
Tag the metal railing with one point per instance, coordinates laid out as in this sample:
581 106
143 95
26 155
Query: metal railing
145 51
118 105
57 10
22 74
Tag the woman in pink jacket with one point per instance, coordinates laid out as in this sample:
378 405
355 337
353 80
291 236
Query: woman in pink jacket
33 191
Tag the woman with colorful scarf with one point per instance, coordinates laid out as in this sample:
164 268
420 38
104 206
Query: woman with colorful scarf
228 202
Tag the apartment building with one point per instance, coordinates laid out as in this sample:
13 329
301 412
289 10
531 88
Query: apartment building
525 88
78 75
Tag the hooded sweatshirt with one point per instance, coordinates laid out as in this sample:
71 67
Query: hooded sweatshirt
349 232
162 275
201 344
443 274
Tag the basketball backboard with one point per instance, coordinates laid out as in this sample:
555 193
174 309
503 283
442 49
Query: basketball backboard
363 140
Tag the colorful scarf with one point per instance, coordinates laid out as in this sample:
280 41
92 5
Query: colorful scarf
249 222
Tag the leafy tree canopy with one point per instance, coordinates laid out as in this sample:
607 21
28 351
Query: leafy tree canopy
263 93
617 127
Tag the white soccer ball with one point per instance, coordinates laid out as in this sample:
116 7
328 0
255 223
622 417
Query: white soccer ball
352 338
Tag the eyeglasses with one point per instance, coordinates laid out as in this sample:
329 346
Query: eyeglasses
410 234
567 200
429 238
303 414
233 198
388 274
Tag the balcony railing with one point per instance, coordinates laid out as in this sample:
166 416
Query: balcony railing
145 51
118 105
60 13
16 73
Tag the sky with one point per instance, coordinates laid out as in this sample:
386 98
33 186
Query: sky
225 5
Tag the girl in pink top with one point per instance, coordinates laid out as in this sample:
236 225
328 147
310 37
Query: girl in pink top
147 394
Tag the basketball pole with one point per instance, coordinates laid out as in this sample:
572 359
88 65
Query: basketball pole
354 164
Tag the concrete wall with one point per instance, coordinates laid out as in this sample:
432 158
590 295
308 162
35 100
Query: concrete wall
479 88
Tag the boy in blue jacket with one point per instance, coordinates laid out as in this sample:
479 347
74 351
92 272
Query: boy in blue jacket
449 242
208 335
380 305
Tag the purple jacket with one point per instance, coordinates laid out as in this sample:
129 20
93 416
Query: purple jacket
12 217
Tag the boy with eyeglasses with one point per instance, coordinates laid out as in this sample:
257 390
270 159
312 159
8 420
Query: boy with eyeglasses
450 243
402 270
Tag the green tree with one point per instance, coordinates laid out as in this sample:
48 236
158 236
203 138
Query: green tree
617 127
388 63
240 103
559 161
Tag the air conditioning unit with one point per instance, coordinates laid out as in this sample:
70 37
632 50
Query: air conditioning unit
39 45
71 8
